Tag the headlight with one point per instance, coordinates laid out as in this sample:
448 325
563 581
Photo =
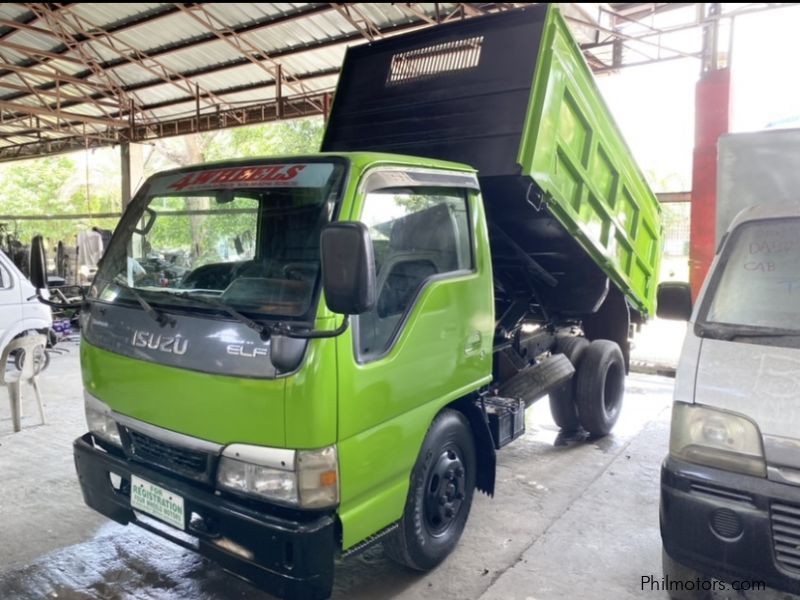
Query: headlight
716 438
100 421
303 478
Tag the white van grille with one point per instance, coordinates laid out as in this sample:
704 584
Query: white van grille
785 520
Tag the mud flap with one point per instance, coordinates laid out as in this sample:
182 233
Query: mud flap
484 445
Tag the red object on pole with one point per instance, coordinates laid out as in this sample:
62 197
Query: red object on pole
712 119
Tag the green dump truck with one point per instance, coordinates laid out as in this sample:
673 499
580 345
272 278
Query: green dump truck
288 359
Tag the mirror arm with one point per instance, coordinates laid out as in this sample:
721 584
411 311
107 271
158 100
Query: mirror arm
311 333
52 304
63 303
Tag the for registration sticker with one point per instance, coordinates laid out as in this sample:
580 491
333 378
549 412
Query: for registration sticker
157 502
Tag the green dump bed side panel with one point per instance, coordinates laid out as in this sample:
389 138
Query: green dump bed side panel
574 150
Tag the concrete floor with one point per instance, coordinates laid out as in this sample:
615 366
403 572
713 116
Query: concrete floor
566 521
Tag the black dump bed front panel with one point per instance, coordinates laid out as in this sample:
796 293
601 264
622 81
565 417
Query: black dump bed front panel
456 92
461 92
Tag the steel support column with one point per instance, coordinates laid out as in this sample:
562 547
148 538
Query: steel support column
132 170
712 119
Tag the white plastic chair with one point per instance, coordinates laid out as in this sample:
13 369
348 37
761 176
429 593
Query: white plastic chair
32 346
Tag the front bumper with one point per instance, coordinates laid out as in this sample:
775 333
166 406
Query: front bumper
290 558
731 526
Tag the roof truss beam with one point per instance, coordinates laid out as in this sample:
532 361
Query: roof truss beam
135 56
253 54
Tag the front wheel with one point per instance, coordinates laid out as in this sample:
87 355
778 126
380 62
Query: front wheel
439 496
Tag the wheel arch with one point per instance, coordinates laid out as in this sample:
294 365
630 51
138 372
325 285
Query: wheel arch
611 322
20 328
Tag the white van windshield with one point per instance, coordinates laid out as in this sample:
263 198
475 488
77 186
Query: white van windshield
757 286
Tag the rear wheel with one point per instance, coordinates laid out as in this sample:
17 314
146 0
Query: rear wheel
599 387
439 496
562 400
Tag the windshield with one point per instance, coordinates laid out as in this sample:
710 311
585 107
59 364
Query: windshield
247 236
756 287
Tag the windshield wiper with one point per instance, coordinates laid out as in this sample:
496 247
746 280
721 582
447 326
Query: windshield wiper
764 334
265 331
160 317
262 330
730 333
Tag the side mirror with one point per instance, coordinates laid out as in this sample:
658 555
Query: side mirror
674 301
37 266
348 267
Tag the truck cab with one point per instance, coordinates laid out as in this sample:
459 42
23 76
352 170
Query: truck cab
218 377
730 487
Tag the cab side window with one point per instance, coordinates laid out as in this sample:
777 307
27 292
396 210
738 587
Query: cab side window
417 234
5 278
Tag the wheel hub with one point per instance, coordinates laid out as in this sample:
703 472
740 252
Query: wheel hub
444 491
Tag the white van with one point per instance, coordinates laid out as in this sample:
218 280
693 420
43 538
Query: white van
730 486
20 311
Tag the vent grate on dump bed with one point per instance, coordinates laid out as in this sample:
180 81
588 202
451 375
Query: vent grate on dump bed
429 61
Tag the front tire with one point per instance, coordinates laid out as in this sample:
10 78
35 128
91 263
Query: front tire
439 495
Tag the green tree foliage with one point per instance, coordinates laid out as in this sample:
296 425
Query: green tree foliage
62 185
48 186
209 240
299 136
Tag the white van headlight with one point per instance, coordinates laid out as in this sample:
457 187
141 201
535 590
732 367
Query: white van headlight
302 478
100 421
716 438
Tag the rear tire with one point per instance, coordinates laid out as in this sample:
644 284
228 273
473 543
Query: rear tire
599 387
439 495
562 400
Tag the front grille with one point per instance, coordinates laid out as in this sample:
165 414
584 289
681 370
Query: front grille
786 535
189 463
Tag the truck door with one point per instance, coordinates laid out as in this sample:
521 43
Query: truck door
10 306
426 342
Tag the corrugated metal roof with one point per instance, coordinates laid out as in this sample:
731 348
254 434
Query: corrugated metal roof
12 11
98 68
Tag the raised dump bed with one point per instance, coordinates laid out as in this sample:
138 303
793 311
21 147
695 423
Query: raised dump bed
511 95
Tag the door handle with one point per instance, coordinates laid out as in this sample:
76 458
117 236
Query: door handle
473 344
